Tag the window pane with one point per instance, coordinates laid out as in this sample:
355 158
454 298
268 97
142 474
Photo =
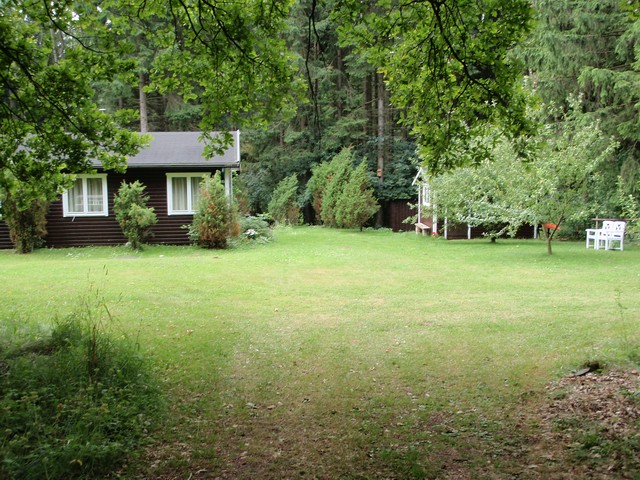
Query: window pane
94 195
195 192
179 193
75 197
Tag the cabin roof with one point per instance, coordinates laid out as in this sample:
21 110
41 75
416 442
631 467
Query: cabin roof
184 149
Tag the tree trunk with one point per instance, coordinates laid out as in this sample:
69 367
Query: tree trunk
144 122
381 141
368 100
381 125
339 83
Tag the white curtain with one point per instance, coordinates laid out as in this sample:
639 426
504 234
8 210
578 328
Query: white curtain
75 196
195 192
94 195
179 193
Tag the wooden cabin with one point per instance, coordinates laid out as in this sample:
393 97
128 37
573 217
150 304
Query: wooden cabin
171 168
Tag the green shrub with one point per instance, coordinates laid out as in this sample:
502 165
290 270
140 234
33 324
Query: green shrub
283 206
339 172
132 214
241 195
216 220
255 229
356 203
26 221
320 175
73 404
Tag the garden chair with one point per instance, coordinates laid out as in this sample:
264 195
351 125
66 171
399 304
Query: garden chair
608 237
592 233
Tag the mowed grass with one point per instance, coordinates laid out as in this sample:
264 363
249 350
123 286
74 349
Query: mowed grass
345 354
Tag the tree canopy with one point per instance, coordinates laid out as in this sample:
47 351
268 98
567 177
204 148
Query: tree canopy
436 82
447 67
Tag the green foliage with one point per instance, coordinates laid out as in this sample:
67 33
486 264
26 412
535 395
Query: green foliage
132 214
50 125
356 203
241 195
341 195
317 185
215 222
399 172
446 66
243 42
27 223
630 209
338 174
588 49
283 206
75 403
553 187
255 230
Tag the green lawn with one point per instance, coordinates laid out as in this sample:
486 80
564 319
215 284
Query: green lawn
344 354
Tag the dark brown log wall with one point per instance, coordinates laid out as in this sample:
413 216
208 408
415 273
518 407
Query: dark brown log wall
85 231
4 236
395 212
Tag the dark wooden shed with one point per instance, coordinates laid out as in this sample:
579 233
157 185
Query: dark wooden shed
171 167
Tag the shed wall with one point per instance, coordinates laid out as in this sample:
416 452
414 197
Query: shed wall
85 231
4 236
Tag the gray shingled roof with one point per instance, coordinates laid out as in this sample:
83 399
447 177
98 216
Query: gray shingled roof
183 149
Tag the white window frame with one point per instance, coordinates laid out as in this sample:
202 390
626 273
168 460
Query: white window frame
85 201
191 209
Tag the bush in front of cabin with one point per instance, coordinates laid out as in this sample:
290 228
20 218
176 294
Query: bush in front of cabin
216 219
23 207
132 214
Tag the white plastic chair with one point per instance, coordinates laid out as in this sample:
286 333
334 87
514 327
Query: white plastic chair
613 234
593 233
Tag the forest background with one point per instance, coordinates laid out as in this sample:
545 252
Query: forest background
343 90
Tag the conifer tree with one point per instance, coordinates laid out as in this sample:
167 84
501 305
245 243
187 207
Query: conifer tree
356 203
132 214
340 169
283 206
216 220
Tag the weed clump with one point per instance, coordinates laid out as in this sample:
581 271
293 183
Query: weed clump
73 404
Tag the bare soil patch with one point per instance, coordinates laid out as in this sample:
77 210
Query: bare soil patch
588 428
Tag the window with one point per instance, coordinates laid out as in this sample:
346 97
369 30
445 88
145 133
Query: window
87 197
183 192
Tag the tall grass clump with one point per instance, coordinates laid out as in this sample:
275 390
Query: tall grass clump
73 403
